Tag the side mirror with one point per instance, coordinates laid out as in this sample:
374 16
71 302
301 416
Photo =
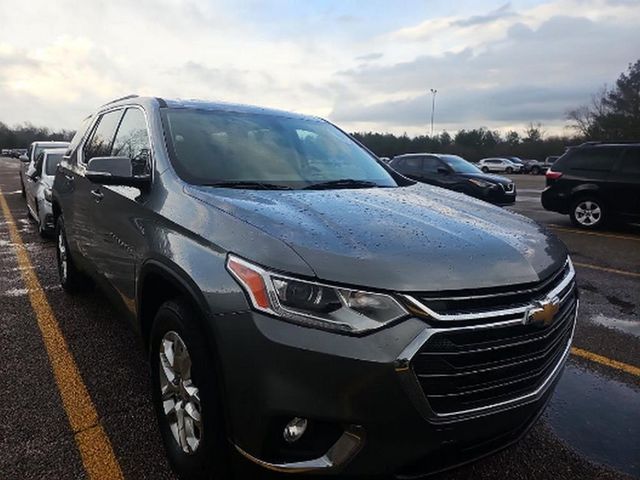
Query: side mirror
443 171
115 171
23 158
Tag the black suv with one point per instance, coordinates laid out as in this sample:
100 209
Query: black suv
306 307
455 173
595 182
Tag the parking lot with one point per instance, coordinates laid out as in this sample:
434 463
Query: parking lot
591 429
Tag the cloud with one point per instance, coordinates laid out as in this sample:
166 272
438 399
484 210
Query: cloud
499 65
369 56
503 12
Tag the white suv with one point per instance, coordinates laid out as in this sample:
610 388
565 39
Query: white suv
498 165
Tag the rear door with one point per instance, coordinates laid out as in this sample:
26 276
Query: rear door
119 235
626 182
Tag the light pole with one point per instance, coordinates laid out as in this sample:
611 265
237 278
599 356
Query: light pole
433 107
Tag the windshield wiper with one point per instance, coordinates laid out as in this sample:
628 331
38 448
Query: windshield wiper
342 183
249 185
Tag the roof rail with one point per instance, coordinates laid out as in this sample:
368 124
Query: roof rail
126 97
608 142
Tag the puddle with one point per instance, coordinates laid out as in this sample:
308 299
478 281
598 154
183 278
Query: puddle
598 418
627 326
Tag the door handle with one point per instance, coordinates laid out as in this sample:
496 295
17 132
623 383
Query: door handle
97 195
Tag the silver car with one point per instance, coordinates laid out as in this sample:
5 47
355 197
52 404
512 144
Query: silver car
29 157
502 165
38 182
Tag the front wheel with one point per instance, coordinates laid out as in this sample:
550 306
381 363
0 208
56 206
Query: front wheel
509 170
588 212
485 169
535 170
186 396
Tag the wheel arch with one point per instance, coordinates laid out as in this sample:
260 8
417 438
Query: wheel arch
159 281
585 190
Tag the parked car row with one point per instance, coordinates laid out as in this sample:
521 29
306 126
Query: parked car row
228 234
13 152
37 170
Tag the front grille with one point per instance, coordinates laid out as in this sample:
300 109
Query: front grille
509 188
498 358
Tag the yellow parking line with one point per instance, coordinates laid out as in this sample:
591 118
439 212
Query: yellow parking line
93 443
595 234
594 357
606 269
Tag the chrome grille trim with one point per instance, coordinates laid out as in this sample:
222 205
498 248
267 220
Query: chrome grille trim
566 281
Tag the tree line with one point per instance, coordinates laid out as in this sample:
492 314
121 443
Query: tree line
612 115
22 135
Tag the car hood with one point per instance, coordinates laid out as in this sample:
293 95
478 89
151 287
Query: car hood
487 177
415 238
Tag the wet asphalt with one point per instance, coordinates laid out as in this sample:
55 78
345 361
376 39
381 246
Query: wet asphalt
590 430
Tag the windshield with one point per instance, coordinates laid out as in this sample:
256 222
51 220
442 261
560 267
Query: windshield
217 147
53 159
459 164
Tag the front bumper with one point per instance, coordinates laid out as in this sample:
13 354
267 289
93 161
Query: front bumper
361 387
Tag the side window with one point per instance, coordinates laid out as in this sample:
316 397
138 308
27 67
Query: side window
412 165
30 151
430 165
600 159
630 162
38 164
132 141
99 144
77 138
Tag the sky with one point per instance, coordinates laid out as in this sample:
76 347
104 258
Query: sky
365 65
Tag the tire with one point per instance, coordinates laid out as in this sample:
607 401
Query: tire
485 169
535 170
72 280
204 454
588 212
509 170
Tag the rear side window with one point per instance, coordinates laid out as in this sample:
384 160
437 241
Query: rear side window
431 165
630 162
594 159
132 141
99 144
411 165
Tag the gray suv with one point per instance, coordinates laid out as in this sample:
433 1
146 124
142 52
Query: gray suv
305 307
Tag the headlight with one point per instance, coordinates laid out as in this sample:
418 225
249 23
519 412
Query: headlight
480 183
47 194
314 304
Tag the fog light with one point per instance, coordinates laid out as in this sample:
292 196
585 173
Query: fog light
294 429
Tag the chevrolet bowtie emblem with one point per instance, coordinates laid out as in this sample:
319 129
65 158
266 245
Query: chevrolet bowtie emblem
542 313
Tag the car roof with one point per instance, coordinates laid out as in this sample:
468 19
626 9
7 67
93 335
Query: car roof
53 143
48 151
207 105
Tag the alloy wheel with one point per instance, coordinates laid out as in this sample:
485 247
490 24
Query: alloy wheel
588 213
180 396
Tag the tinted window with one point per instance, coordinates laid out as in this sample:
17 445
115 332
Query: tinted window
601 159
132 141
75 141
431 164
53 159
459 164
99 145
223 146
409 165
630 162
